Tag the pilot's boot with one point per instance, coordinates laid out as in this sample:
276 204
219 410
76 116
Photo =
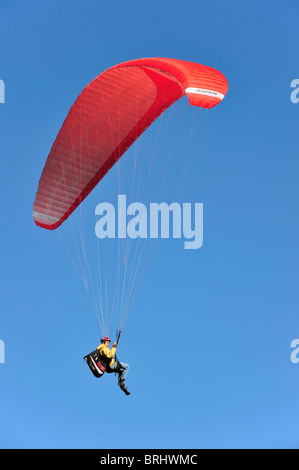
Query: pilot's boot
122 386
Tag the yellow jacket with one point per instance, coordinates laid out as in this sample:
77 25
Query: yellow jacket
106 352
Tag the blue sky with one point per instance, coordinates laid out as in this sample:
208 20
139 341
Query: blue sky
208 338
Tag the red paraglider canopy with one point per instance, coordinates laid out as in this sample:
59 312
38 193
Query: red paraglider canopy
107 117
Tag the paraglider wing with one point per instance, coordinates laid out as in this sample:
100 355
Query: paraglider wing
107 117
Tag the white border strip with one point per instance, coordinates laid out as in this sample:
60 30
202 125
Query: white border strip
202 91
39 217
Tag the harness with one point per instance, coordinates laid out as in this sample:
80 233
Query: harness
95 363
99 364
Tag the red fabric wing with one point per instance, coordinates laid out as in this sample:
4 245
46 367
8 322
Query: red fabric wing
107 117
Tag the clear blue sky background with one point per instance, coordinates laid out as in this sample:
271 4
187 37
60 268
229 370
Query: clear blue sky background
208 338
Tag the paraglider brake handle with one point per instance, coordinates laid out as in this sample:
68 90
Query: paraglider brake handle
118 333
